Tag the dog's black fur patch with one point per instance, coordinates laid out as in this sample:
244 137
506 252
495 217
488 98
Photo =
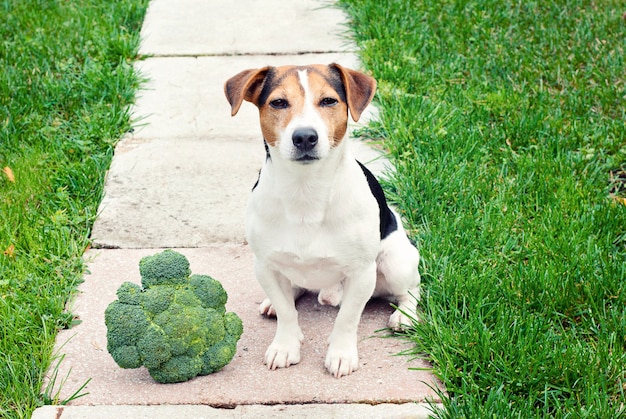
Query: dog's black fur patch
267 157
388 223
269 84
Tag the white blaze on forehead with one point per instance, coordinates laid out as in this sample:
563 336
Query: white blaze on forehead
309 112
308 116
304 82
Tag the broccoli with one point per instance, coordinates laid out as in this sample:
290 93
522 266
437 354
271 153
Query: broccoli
175 324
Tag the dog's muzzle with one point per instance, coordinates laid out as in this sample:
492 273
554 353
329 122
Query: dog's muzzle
305 140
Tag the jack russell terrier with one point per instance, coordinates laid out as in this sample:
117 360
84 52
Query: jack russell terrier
317 219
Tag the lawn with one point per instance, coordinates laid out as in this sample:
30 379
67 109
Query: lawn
506 123
66 80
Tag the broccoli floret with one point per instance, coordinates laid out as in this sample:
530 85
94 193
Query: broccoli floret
176 325
126 356
126 322
128 293
166 267
177 369
234 325
214 358
157 299
155 347
209 291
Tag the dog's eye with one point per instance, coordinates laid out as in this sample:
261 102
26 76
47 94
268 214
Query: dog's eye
279 104
328 101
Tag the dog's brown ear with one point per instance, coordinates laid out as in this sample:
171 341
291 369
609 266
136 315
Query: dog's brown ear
360 89
246 85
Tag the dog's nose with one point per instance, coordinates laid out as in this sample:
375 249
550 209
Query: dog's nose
304 139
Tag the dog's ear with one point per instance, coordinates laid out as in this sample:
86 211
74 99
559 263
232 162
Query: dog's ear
246 85
360 89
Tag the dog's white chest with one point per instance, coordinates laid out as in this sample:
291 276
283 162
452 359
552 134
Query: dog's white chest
311 254
310 272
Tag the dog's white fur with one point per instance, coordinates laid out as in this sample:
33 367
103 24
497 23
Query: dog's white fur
314 224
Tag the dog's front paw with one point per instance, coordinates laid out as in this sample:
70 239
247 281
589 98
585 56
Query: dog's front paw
282 354
342 360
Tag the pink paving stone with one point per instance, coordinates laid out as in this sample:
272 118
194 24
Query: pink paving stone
383 376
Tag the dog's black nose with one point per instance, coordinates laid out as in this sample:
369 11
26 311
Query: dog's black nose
304 139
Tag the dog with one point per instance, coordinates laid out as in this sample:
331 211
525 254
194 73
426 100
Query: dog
317 219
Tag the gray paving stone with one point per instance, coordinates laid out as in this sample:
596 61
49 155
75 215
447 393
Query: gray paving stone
383 375
250 27
183 192
307 411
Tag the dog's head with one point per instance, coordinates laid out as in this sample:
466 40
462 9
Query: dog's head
303 110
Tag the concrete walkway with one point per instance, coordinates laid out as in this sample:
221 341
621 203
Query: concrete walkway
181 180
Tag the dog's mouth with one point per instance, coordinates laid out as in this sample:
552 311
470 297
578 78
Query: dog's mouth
306 158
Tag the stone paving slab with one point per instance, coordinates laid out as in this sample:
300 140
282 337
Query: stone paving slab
307 411
226 27
383 376
184 193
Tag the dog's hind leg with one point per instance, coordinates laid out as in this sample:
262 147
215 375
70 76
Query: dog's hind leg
405 313
331 296
398 278
267 309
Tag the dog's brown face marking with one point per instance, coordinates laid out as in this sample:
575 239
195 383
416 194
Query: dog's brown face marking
291 98
289 93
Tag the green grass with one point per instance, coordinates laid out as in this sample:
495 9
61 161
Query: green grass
66 80
505 120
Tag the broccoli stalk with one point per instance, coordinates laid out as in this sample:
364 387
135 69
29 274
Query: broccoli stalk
175 324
